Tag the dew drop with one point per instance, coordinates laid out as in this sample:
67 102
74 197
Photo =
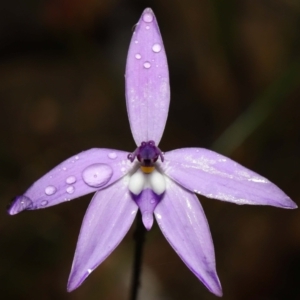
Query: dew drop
152 201
19 204
147 65
148 18
64 168
156 48
136 41
50 190
44 202
89 271
147 27
112 155
158 216
76 157
71 179
97 175
138 56
70 189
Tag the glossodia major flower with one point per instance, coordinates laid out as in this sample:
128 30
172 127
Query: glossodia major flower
156 183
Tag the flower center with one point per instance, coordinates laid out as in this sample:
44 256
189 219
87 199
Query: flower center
147 154
147 184
147 176
147 170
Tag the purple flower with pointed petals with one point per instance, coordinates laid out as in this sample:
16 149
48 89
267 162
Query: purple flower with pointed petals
148 179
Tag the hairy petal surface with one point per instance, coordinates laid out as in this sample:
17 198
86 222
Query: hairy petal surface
182 221
106 222
216 176
79 175
147 81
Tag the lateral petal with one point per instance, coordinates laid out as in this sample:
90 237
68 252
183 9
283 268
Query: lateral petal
79 175
215 176
182 221
106 222
147 81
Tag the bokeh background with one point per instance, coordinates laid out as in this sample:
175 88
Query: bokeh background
235 85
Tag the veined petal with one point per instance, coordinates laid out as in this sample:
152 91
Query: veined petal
107 220
81 174
216 176
182 221
147 81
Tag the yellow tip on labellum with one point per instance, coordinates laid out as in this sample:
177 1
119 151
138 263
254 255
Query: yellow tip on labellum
147 170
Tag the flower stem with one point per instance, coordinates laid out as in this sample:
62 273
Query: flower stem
139 236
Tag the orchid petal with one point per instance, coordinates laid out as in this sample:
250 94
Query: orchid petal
216 176
147 81
79 175
182 221
147 201
106 222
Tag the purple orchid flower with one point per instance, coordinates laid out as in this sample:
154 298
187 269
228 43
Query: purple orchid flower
148 179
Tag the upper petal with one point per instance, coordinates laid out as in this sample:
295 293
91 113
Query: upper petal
81 174
216 176
107 220
182 221
147 81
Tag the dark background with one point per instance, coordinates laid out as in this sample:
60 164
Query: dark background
235 86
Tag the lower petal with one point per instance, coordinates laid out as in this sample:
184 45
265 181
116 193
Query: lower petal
106 222
147 201
182 221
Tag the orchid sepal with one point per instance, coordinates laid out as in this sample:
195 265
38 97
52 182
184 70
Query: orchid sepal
81 174
147 81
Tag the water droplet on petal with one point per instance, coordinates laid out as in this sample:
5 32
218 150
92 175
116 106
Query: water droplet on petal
112 155
147 27
89 271
158 216
44 202
136 41
138 56
147 65
97 175
50 190
19 204
76 157
156 48
148 18
71 179
152 201
70 189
